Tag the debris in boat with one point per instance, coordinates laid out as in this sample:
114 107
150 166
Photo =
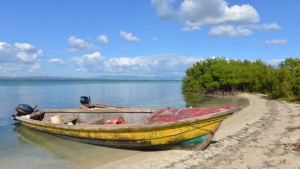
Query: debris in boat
26 116
119 120
56 119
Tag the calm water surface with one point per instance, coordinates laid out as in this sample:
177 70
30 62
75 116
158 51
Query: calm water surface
25 148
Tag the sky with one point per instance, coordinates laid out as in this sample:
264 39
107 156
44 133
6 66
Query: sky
80 38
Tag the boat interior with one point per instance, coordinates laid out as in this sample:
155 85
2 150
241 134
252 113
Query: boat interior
86 117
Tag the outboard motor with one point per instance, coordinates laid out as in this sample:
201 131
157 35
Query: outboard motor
24 109
85 100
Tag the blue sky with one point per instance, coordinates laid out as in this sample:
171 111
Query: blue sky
145 38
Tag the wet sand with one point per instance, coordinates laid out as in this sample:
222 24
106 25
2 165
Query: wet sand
266 134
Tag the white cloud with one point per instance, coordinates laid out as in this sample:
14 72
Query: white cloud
23 57
128 36
6 52
24 47
243 30
103 38
164 9
93 57
11 67
272 26
276 42
35 67
197 13
191 27
5 47
275 62
240 14
161 64
80 64
78 44
88 62
141 65
27 52
56 61
229 30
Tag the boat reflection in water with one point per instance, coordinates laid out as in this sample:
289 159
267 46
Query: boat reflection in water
73 154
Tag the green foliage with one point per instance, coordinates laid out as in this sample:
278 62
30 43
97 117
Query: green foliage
223 76
289 77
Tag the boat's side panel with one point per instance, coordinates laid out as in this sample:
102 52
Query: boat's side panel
137 137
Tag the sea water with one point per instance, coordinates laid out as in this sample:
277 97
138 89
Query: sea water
23 148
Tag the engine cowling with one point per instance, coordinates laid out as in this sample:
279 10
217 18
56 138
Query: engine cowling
24 109
85 100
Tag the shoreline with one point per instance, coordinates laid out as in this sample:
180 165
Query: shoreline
266 134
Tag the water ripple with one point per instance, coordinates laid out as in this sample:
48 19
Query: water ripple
4 122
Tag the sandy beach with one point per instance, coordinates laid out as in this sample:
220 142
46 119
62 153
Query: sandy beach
266 134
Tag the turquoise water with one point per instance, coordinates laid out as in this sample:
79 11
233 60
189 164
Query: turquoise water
25 148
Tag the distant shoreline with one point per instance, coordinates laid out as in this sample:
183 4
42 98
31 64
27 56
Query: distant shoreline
80 79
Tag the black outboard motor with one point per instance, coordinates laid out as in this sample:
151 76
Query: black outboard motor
85 100
24 109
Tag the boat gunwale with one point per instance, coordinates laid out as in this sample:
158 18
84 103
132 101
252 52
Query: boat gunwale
102 110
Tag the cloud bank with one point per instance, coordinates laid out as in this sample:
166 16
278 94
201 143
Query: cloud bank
225 20
197 13
168 64
103 39
128 36
56 61
78 44
276 42
20 57
229 30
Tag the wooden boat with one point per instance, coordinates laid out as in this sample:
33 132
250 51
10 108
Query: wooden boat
136 128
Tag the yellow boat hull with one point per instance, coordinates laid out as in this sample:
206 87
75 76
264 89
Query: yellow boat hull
197 131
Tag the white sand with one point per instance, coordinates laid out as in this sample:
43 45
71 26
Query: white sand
259 136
